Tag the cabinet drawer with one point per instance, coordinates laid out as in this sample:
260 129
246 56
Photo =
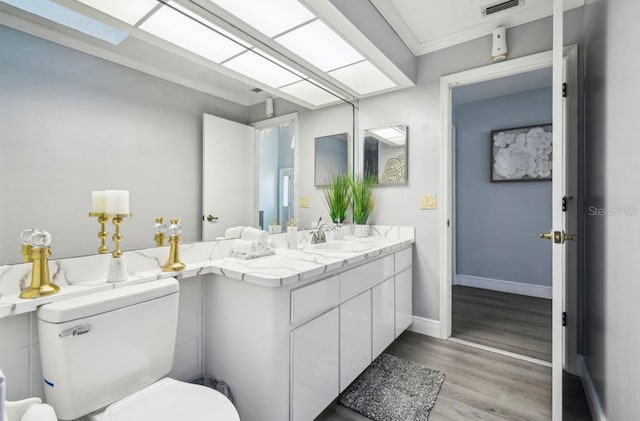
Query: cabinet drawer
355 281
403 259
314 299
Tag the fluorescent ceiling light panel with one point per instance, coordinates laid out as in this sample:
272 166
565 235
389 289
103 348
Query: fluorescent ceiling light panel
181 30
259 68
129 11
320 46
271 17
70 18
389 135
310 93
363 77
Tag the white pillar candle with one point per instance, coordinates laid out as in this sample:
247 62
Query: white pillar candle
117 202
98 201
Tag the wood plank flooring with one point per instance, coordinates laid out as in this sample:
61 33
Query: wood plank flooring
510 322
479 385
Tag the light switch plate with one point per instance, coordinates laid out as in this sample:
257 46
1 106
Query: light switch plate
304 202
428 202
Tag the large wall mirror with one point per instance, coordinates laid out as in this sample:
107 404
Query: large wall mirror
385 154
331 157
73 123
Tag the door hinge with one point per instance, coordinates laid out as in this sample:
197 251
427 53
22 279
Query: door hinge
448 222
564 90
564 318
564 202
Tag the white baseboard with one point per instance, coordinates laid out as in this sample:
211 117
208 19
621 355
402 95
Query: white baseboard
530 290
425 326
589 389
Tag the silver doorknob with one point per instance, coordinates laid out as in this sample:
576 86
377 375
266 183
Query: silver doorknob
211 218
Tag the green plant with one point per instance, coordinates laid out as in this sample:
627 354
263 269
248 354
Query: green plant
362 189
338 196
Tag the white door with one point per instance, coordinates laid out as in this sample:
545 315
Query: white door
563 184
228 176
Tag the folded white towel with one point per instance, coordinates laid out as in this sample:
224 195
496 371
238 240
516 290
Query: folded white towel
243 246
253 234
40 412
233 232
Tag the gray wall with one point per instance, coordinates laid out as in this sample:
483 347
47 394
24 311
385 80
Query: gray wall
419 107
497 224
71 123
612 243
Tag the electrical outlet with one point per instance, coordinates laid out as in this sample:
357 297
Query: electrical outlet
428 202
304 202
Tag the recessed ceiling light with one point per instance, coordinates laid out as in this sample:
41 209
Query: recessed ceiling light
183 31
272 73
271 17
363 78
320 46
310 93
71 19
126 10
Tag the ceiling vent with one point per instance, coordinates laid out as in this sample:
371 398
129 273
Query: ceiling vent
500 7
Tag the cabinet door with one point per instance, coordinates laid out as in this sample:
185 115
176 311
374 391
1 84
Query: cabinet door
355 337
383 305
404 311
314 366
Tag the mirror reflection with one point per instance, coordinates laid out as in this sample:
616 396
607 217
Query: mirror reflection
331 157
385 154
275 148
73 123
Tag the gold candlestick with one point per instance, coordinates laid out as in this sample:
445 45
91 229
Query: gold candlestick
103 234
117 237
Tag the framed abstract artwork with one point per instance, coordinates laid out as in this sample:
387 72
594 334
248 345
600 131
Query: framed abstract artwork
522 153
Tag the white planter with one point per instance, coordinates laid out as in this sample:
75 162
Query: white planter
361 230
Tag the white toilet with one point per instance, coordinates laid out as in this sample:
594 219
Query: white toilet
104 356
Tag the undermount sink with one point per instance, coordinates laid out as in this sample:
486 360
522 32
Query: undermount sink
338 247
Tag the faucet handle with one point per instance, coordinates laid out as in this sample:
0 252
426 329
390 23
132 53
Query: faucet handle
40 239
175 228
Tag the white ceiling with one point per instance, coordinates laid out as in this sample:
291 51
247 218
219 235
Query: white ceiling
430 25
202 45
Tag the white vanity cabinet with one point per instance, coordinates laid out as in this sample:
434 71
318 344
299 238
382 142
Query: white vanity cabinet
355 337
314 366
287 352
384 316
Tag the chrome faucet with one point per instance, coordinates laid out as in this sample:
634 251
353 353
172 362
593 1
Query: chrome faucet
320 236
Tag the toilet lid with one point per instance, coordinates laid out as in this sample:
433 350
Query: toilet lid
171 400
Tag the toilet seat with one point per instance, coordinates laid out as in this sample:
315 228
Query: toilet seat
171 400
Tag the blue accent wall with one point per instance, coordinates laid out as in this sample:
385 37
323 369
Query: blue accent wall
497 224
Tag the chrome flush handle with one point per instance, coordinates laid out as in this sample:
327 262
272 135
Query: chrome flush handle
76 331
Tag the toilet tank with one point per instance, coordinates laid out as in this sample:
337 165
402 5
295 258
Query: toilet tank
99 348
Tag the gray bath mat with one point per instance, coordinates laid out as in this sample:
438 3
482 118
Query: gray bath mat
393 389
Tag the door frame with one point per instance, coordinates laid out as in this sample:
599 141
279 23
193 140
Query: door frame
447 83
296 158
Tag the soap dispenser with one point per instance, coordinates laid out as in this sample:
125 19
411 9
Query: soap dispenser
292 235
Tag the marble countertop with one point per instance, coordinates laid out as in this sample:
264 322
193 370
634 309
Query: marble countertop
86 275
